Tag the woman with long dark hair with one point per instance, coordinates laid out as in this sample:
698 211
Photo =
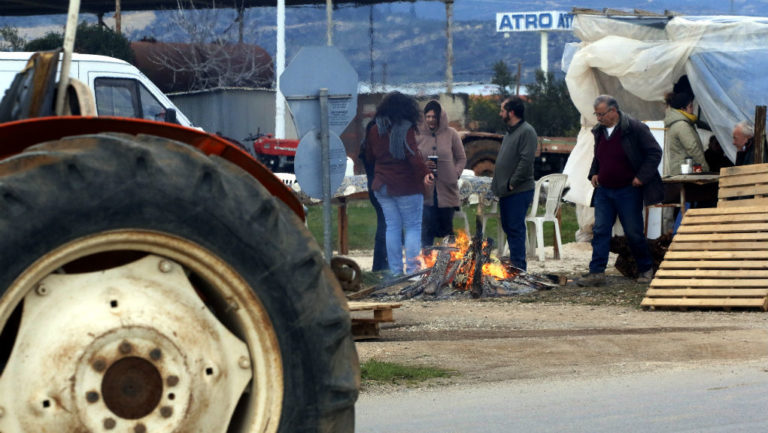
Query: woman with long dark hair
399 179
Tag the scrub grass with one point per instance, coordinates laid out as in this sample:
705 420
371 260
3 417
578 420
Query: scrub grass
362 224
388 372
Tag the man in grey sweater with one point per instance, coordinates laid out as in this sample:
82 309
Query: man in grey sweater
513 176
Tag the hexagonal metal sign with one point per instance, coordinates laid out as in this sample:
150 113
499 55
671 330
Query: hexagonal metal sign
309 171
314 68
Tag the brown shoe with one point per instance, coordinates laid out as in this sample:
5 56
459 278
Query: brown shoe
591 279
645 277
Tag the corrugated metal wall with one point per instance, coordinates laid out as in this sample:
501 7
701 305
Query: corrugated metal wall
234 113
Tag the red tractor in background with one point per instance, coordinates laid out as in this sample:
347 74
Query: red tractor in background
277 154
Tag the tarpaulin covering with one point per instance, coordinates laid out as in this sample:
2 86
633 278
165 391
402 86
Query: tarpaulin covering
638 60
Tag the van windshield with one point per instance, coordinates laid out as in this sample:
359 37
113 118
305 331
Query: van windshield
126 97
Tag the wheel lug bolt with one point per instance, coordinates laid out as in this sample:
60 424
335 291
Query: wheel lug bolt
92 396
41 289
172 380
166 411
125 348
139 428
155 354
99 365
243 362
165 266
109 423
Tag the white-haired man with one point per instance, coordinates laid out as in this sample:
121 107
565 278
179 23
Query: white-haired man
743 138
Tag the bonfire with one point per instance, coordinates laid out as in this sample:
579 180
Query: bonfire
462 264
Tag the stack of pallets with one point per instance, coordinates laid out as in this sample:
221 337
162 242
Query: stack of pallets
719 256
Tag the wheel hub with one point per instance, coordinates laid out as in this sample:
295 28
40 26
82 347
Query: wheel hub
132 388
130 349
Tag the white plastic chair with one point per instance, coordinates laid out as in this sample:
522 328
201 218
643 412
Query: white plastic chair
555 183
501 239
462 215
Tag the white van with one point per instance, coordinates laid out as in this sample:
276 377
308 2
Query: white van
118 87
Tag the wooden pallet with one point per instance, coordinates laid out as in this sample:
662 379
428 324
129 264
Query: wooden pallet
718 258
366 327
745 185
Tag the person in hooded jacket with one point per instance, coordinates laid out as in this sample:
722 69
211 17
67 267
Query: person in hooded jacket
437 139
400 175
681 139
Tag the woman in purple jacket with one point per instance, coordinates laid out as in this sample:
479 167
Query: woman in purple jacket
400 176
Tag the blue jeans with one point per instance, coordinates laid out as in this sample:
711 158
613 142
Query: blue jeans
402 213
512 210
627 203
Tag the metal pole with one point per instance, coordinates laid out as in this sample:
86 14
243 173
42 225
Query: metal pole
370 33
544 52
329 19
449 46
759 138
118 18
280 66
66 60
325 155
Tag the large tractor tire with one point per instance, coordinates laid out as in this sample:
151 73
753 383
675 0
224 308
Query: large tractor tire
481 156
150 288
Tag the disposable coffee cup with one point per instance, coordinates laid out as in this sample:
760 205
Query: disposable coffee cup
433 158
685 169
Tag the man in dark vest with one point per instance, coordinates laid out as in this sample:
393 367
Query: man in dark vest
625 174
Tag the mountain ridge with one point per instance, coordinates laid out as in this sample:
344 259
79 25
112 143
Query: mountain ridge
407 41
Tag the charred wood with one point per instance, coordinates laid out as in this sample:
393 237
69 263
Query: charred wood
482 259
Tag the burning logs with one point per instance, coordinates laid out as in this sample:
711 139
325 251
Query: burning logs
459 265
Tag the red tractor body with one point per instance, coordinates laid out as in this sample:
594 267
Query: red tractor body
276 153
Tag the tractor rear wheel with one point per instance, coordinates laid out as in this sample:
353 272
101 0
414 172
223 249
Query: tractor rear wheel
481 156
148 287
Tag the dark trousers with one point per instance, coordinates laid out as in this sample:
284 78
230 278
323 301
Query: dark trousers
380 240
436 222
627 203
512 210
380 262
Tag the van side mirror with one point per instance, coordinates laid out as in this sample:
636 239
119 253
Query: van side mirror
170 115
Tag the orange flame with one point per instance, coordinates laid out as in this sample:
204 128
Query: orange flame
427 260
495 270
462 243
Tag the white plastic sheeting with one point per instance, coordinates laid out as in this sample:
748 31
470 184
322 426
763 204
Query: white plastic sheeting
638 60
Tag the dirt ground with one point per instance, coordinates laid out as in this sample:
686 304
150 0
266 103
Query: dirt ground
568 331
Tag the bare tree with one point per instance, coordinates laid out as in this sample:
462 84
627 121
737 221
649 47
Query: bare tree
10 39
213 54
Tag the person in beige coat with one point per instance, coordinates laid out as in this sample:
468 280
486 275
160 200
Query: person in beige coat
437 139
681 139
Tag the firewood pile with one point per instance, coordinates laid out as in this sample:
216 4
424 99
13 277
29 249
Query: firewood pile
462 265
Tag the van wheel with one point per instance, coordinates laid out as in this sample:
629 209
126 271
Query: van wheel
148 287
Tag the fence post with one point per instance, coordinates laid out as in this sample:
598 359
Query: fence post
759 134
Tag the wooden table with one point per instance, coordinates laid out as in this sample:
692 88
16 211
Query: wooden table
687 180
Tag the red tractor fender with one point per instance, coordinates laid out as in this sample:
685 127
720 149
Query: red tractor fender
19 135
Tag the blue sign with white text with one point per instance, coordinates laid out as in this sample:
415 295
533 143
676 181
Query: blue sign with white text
534 21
